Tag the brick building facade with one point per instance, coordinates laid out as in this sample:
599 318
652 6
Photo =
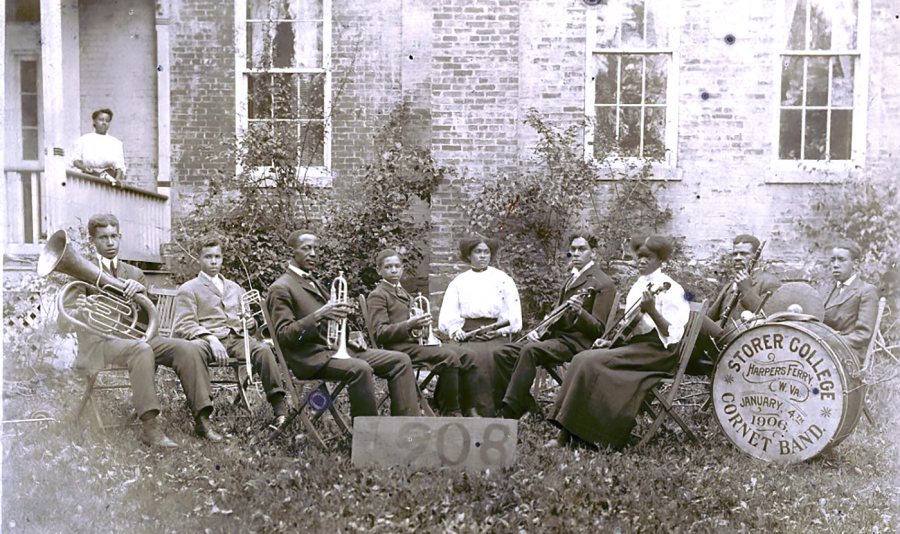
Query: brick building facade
472 68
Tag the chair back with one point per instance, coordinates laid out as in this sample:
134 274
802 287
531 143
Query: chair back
691 331
613 312
876 333
370 331
267 331
165 307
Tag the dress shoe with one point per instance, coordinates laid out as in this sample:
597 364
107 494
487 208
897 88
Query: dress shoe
279 410
203 427
153 436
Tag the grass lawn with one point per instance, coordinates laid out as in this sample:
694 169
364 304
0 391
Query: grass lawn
62 478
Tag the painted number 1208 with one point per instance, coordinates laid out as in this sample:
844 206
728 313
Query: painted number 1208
454 445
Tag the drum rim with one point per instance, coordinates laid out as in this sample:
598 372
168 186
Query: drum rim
844 430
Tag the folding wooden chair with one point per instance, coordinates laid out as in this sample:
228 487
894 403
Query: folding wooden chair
876 343
247 395
319 396
417 367
664 405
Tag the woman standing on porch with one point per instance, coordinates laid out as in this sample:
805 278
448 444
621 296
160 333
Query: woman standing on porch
604 387
98 153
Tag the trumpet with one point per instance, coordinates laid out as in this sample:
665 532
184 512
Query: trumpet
420 305
337 329
108 313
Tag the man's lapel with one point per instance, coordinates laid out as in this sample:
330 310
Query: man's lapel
846 294
208 284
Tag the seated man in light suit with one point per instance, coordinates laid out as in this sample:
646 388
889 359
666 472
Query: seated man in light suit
208 309
851 305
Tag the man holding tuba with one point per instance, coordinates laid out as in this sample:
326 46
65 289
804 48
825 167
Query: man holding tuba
301 308
95 352
585 300
396 327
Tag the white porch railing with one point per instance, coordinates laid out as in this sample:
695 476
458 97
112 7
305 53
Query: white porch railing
143 215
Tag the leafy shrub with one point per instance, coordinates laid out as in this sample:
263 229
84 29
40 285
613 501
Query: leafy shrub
534 212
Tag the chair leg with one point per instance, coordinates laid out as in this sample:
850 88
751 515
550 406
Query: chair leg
242 393
868 413
86 398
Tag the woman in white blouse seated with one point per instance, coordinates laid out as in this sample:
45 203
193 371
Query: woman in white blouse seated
477 298
604 387
99 153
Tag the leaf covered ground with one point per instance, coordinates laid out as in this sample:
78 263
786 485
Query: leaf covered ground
64 477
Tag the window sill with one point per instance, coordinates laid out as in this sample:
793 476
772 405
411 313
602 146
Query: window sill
315 176
812 172
661 172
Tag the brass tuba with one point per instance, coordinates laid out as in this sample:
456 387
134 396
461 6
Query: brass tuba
337 330
420 305
107 314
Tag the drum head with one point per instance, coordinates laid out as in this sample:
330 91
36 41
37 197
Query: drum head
780 391
799 293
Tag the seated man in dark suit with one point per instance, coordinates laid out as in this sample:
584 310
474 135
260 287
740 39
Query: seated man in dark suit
300 309
751 287
851 305
584 321
185 358
208 309
389 312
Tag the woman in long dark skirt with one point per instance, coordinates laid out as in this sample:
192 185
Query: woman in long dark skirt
604 387
478 297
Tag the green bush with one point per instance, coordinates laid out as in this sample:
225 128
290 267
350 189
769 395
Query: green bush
534 212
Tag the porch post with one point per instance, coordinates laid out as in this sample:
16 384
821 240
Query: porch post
54 118
163 113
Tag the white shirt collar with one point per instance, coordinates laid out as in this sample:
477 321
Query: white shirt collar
298 270
578 272
216 278
848 281
110 264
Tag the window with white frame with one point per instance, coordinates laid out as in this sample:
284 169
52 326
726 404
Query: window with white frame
820 81
630 88
284 82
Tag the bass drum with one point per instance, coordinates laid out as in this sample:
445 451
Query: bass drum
785 390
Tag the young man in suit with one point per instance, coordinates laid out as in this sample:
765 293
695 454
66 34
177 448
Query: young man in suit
208 309
851 305
185 358
583 322
750 287
300 310
389 313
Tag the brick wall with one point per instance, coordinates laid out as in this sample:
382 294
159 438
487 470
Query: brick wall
118 71
202 94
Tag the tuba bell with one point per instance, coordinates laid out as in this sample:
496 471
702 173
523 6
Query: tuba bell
420 305
108 314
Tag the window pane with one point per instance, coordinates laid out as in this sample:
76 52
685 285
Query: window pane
258 139
284 96
605 130
841 133
259 44
28 76
633 24
259 96
297 45
303 9
284 147
814 135
605 78
842 81
630 132
312 144
795 21
656 29
817 81
791 81
819 27
656 66
29 143
789 137
654 132
311 91
284 9
632 70
29 110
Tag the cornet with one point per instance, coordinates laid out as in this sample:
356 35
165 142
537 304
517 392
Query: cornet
337 330
420 305
108 313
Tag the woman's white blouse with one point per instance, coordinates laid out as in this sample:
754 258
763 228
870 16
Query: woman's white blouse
489 293
671 304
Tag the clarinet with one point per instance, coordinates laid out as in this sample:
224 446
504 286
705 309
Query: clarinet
737 294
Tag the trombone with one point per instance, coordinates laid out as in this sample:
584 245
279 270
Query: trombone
337 330
419 306
247 315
